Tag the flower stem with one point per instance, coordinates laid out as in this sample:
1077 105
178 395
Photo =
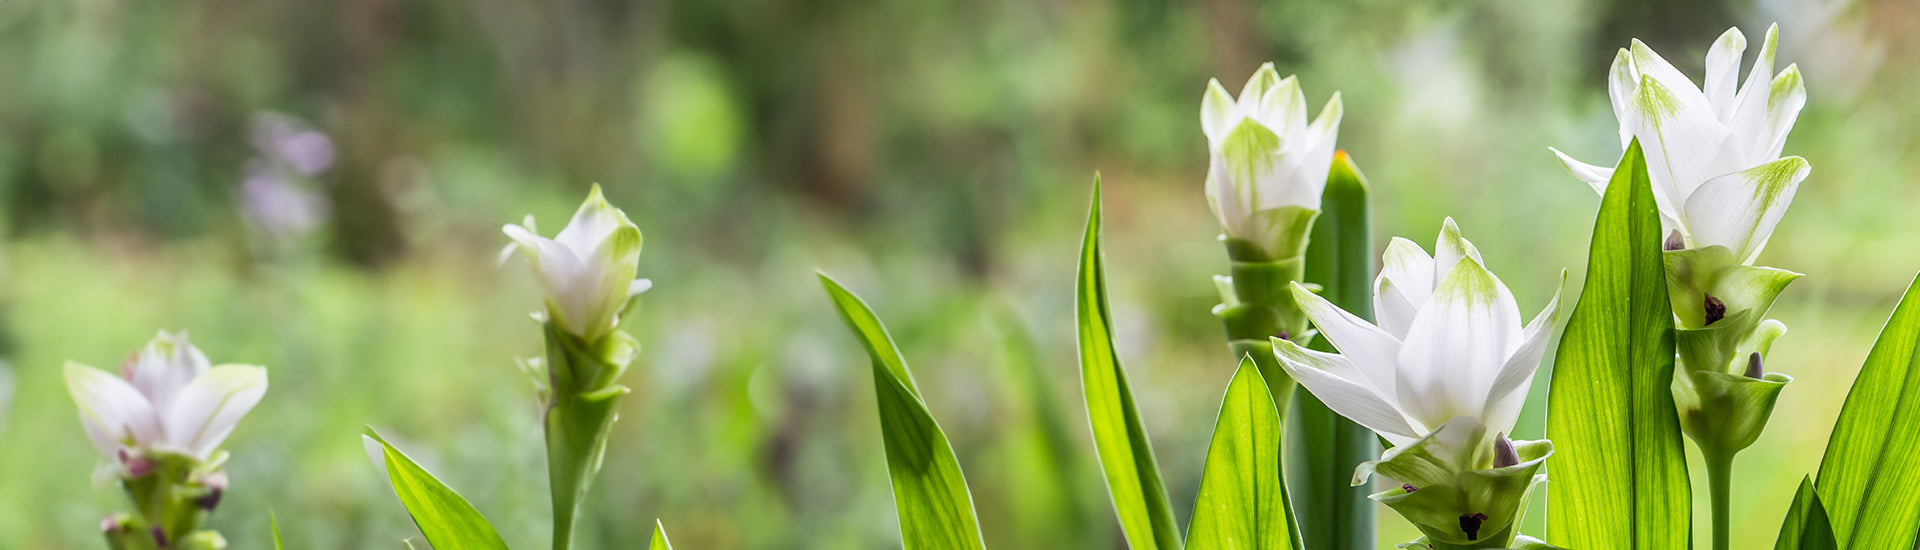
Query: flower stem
1719 481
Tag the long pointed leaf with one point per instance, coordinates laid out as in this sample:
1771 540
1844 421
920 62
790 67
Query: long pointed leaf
1806 526
1619 475
443 516
1872 467
1243 500
1324 447
1119 437
660 541
929 490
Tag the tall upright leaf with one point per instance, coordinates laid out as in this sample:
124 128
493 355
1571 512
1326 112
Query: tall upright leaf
1619 475
443 516
1806 526
1323 447
1119 437
1872 467
660 541
1243 501
929 490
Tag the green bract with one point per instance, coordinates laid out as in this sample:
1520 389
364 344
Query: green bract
1457 494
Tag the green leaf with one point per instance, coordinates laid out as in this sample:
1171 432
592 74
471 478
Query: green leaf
1806 526
274 523
443 516
929 490
1872 466
1620 480
660 537
1243 502
1323 447
1119 437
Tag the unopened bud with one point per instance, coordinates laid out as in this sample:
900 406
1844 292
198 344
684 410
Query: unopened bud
1675 241
1408 487
1715 309
160 537
1283 335
1754 369
1504 454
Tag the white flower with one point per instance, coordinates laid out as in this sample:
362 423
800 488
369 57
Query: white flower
1449 344
588 269
1264 153
1714 155
169 401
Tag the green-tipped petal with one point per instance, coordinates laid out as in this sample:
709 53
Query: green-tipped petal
1740 210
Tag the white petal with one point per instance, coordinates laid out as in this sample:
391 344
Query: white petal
1283 108
1394 309
1740 210
166 364
1316 147
1788 94
591 224
115 415
1358 403
1449 249
209 407
1509 390
1750 116
1223 197
1457 346
1595 176
1651 65
1404 283
1723 72
638 286
1217 112
1263 79
1370 349
1684 145
1623 84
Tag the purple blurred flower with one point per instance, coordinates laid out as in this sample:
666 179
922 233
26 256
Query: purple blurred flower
275 205
292 142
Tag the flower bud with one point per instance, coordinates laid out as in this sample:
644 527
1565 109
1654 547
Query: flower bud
1674 241
1503 453
1268 163
1754 369
587 270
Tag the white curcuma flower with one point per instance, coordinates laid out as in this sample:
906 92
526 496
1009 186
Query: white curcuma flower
1448 345
1713 155
588 269
1265 155
168 400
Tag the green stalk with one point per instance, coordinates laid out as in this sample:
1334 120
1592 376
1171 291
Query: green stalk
582 394
1322 446
1719 482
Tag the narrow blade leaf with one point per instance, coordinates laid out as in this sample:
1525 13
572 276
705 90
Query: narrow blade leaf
1872 466
1243 502
1806 526
1324 447
660 537
929 490
274 523
446 519
1119 437
1619 478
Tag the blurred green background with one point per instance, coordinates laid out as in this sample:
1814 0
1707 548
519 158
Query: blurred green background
318 187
